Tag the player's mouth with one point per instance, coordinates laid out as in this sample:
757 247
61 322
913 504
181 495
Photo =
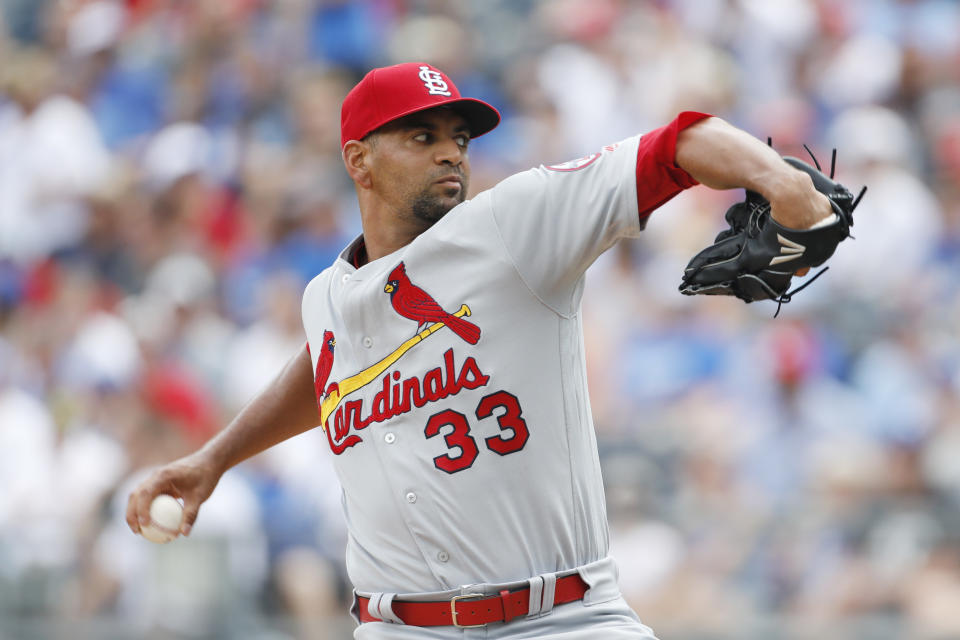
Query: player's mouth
454 182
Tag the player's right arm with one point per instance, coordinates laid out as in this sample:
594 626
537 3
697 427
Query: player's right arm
285 408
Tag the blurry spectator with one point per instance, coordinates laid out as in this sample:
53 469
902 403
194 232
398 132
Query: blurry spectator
877 148
51 155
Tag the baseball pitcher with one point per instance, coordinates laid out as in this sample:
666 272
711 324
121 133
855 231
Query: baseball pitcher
445 360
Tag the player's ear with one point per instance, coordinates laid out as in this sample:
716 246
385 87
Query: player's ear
356 159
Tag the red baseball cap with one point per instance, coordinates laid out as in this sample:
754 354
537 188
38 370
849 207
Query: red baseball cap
388 93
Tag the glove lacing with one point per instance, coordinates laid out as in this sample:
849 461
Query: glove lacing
783 298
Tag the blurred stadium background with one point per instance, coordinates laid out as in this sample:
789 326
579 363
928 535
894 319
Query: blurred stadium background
170 180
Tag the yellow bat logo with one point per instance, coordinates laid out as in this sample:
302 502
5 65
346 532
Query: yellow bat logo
359 380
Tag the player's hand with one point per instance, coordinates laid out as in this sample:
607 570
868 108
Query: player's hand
800 207
191 478
796 204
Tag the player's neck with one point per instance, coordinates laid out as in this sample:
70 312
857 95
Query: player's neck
376 246
384 232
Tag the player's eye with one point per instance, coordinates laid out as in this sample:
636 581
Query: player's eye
422 137
463 141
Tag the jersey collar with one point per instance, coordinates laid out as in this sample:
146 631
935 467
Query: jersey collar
351 256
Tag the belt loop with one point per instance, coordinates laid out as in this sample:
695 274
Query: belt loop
549 591
385 609
373 605
536 596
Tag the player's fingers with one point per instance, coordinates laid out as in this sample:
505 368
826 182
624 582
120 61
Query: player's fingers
802 272
133 520
191 508
138 506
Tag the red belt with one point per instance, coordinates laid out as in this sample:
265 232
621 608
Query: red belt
474 610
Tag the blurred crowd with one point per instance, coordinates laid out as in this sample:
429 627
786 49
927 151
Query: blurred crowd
170 180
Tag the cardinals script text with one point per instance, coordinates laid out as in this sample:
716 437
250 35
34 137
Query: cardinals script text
396 398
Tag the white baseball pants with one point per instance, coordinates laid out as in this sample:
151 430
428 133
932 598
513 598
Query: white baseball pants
602 613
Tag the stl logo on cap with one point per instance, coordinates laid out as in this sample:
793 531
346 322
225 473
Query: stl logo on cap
434 82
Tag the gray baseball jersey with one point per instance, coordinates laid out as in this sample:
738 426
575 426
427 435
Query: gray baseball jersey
451 381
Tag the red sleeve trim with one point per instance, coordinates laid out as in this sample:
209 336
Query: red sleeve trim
658 177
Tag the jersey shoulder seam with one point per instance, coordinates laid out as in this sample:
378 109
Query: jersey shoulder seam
520 275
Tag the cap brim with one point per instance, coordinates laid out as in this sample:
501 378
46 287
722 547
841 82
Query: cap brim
480 116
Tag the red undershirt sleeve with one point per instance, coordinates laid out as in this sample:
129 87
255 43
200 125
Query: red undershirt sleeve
658 177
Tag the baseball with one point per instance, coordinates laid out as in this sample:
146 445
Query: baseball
165 515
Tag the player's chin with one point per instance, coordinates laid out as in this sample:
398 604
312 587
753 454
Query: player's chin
449 201
431 209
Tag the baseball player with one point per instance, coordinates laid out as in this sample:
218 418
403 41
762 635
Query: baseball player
445 359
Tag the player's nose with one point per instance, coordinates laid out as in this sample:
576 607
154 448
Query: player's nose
449 151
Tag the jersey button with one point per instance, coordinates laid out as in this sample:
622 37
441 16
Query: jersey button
367 342
411 497
345 277
390 438
443 556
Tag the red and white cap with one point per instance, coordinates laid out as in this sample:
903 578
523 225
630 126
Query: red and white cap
388 93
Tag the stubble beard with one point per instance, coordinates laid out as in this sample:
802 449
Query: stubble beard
430 208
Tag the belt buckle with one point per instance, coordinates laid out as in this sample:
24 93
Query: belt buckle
453 610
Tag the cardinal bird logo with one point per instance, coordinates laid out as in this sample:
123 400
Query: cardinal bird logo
412 302
324 365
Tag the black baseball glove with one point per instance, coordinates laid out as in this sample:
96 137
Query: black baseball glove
756 257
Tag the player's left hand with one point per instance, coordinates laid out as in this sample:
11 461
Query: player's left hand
756 258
